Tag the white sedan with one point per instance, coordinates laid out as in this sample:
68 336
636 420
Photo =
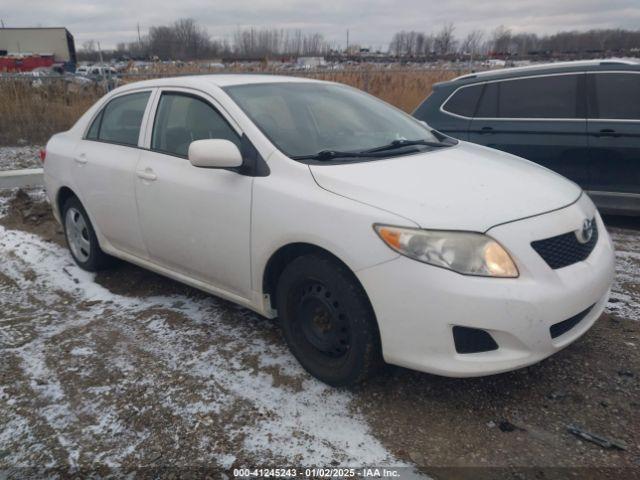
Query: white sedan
371 236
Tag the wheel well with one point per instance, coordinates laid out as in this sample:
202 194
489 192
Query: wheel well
285 255
63 195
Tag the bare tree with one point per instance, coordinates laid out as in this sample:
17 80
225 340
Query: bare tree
501 40
192 41
264 42
472 43
445 41
163 42
410 44
88 51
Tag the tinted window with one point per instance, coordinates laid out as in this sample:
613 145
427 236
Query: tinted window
488 107
617 96
182 119
542 97
122 117
464 101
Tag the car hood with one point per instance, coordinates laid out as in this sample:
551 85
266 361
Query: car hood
465 187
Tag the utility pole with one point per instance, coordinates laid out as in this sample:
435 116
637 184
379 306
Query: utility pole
139 38
347 42
100 53
1 23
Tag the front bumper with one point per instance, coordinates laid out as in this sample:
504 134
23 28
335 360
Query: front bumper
418 305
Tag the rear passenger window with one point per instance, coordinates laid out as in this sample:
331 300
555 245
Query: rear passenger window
121 119
542 97
617 96
464 101
92 134
182 119
488 107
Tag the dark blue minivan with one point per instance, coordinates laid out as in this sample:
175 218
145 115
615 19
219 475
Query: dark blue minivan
581 119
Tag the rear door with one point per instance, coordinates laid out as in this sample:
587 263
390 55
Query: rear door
104 170
541 118
614 131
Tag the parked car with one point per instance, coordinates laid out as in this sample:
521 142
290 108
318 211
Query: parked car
83 70
369 235
97 71
580 119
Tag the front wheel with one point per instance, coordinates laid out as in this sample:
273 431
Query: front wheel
328 321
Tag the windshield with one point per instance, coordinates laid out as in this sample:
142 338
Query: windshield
304 119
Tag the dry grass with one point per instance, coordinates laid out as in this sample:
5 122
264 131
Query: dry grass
31 114
403 88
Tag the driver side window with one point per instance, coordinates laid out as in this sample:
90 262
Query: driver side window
181 119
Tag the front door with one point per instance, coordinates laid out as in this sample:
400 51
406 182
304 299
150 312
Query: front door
541 119
195 221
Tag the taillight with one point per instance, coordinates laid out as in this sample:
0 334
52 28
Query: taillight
43 155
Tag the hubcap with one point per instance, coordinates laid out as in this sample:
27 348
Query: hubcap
77 235
322 324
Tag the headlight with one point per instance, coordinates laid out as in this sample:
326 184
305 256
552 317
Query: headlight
469 253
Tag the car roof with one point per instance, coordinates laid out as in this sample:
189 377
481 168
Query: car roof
548 68
203 82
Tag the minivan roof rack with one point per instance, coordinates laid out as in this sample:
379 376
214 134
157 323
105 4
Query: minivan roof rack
547 66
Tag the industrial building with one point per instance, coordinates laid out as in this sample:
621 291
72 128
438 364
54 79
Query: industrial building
23 49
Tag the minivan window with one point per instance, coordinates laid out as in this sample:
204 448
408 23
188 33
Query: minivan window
617 96
121 119
182 119
464 101
541 97
488 107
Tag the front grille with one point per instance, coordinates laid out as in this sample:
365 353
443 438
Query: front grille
558 329
564 250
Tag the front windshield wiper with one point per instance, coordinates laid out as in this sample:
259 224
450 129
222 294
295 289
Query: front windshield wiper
406 143
326 155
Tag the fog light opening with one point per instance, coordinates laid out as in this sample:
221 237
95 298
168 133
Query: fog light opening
473 340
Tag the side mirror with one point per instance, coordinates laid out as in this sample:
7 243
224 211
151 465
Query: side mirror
212 153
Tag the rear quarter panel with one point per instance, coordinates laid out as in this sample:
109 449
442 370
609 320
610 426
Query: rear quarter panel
57 167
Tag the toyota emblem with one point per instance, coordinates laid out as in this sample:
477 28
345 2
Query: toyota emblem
586 232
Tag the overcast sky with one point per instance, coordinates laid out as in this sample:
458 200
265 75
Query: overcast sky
371 23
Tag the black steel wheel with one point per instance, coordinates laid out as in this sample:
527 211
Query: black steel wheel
327 320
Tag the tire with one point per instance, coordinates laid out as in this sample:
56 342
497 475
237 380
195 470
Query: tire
81 237
327 321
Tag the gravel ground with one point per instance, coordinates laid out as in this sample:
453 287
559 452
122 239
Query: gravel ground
129 370
15 158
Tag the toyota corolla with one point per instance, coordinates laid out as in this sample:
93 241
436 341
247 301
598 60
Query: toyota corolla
372 237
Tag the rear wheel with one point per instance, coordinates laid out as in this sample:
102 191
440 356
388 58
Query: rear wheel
327 321
81 237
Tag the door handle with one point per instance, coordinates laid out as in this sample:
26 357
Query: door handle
81 159
147 175
486 130
607 132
